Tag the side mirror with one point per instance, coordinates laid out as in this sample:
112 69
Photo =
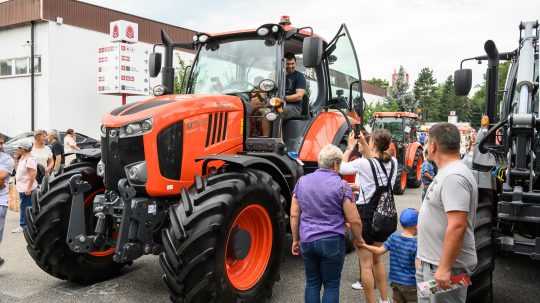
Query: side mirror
312 51
462 81
154 64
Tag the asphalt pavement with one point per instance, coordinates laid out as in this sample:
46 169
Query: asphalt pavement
517 279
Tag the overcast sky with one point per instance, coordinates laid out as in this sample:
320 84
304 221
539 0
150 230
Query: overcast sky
386 33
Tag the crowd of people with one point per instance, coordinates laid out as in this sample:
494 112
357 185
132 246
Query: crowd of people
33 159
434 244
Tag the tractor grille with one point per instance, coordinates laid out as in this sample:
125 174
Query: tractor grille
118 152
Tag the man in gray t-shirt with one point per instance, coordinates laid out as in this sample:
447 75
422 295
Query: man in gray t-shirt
446 222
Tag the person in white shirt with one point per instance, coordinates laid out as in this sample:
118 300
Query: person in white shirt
372 266
70 146
41 152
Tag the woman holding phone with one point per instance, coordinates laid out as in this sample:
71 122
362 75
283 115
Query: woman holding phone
371 266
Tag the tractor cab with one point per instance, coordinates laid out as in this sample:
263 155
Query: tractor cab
251 66
404 127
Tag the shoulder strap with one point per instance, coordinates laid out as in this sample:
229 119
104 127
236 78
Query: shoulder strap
388 176
375 175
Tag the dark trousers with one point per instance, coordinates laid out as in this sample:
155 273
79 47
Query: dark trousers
323 262
26 201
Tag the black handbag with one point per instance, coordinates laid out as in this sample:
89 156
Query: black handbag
384 222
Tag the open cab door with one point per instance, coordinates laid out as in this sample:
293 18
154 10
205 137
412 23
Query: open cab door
344 105
344 74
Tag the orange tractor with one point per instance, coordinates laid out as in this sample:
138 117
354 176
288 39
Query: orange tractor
405 147
182 177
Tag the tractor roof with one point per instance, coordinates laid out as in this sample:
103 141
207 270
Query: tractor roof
303 32
395 115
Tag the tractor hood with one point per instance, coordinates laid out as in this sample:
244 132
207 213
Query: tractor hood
171 108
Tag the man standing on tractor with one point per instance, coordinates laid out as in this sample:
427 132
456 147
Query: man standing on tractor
295 89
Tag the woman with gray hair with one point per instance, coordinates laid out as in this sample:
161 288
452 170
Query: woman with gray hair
321 205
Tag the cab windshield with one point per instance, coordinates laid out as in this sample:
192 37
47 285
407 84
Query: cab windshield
393 125
234 66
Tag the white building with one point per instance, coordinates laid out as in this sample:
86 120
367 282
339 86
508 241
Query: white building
66 37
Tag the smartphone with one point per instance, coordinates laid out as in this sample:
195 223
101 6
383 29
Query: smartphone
357 130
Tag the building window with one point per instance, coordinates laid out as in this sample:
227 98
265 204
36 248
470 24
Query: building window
37 64
19 66
6 67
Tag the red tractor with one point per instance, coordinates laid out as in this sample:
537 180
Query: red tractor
405 147
182 177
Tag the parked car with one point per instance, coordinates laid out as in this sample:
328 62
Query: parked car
83 141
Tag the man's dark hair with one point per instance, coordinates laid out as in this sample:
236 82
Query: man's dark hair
290 56
2 137
447 137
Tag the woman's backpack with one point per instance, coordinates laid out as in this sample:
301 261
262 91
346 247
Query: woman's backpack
384 222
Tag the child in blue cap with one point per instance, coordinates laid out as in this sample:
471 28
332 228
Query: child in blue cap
402 248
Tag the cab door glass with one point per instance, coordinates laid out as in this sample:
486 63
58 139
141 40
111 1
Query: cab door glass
343 69
312 87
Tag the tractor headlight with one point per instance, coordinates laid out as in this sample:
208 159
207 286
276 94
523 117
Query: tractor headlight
100 169
267 85
203 38
275 102
158 90
103 130
136 173
136 128
263 31
271 116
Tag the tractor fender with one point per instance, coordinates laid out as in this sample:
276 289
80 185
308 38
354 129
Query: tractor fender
241 162
409 155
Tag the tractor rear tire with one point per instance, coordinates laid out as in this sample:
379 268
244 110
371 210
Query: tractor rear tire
199 261
47 225
481 289
401 181
415 176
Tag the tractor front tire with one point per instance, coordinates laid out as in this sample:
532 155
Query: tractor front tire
225 239
401 181
481 290
47 225
415 176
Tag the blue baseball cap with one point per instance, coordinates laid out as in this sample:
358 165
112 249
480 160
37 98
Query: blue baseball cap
408 217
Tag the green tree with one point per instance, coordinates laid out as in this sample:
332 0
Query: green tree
425 91
399 92
447 98
382 83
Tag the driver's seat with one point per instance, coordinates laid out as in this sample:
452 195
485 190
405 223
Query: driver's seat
295 128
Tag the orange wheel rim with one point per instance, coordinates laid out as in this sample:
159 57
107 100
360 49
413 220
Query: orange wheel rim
88 203
244 274
403 180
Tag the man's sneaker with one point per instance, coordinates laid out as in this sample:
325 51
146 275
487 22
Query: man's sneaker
17 230
357 285
1 262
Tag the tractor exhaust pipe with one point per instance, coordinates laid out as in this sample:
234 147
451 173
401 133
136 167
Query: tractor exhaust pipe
167 71
492 82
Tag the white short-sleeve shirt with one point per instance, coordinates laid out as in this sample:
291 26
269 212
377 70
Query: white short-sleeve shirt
364 176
